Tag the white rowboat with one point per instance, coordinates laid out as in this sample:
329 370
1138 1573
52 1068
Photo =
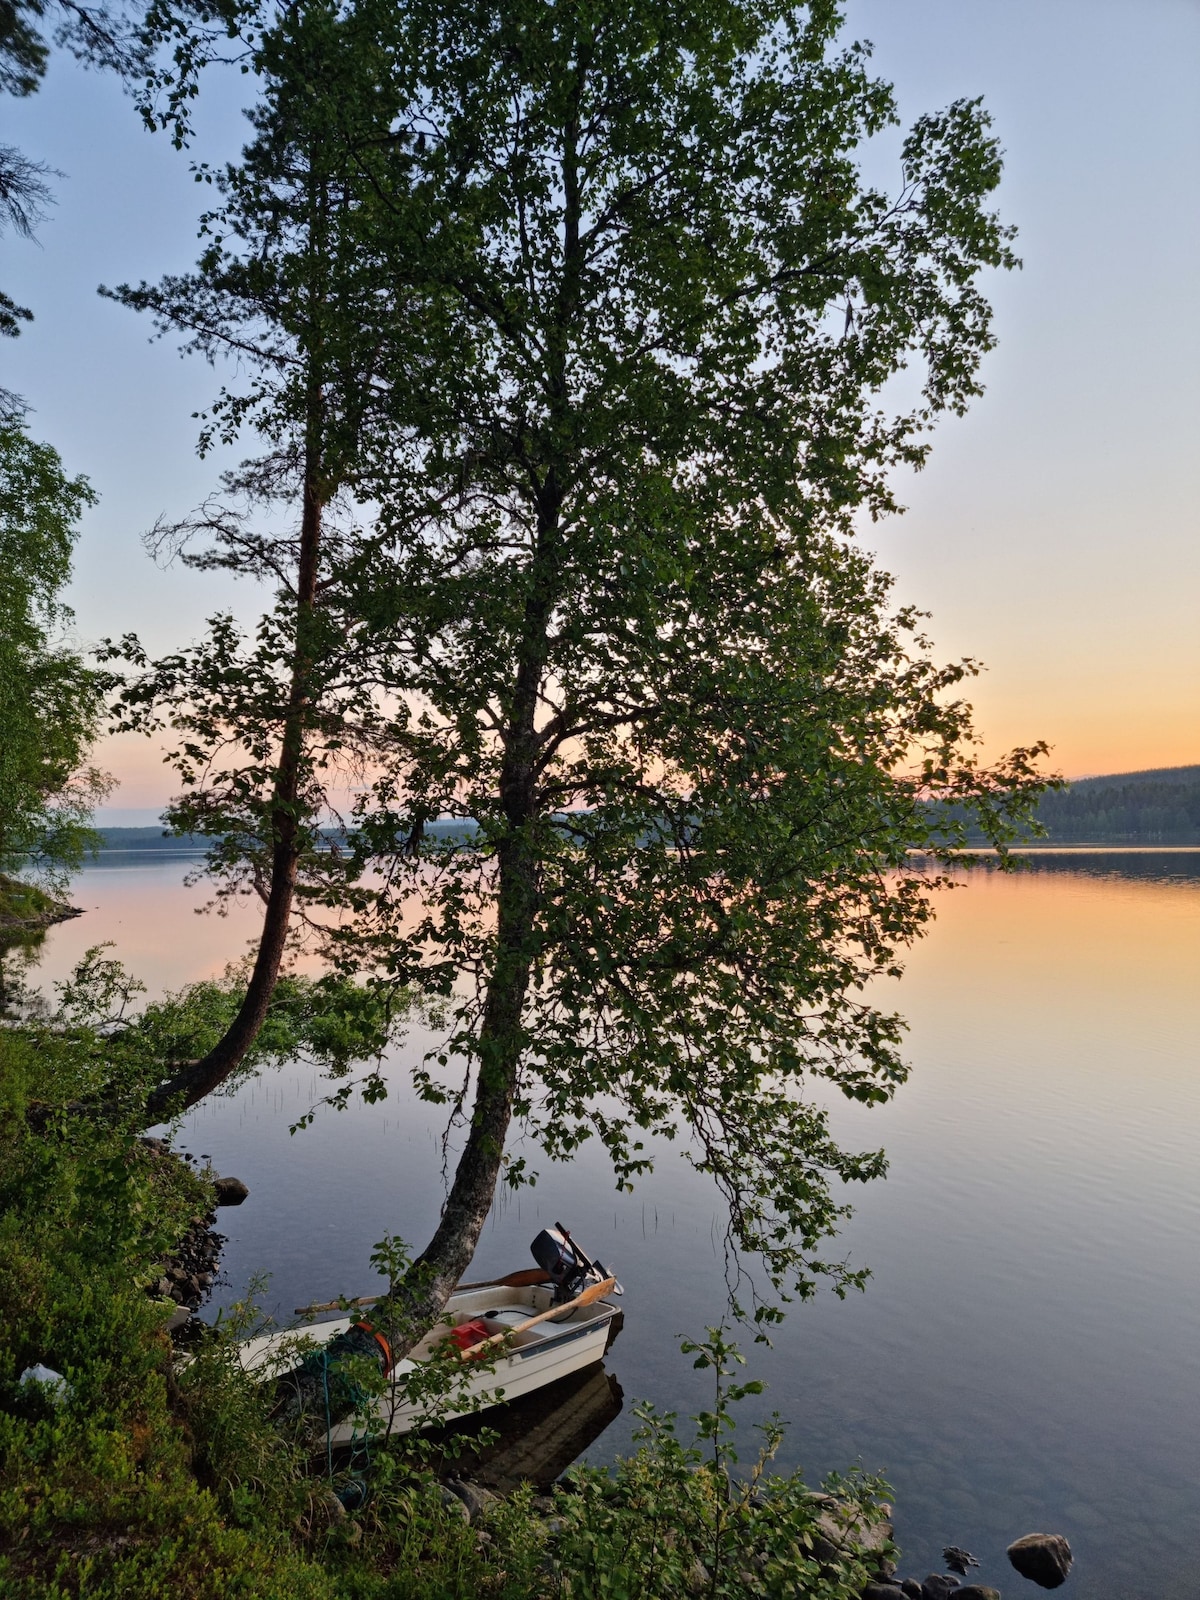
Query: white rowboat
573 1337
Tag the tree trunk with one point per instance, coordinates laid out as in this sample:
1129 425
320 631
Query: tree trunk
194 1079
413 1305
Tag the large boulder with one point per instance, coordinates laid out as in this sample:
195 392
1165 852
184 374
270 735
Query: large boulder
477 1499
840 1529
1043 1558
976 1591
229 1191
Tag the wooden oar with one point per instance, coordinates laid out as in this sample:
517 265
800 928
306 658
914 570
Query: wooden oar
587 1298
520 1279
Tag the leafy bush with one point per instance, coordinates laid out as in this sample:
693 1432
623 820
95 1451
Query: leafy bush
675 1519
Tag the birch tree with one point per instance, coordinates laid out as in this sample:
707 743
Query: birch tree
631 637
644 349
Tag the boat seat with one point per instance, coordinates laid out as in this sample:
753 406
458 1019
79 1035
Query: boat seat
502 1319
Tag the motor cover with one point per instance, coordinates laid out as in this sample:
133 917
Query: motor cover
565 1266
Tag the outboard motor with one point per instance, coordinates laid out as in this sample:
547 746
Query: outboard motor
564 1263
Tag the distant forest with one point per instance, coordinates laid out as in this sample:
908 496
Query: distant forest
153 838
1136 808
1158 807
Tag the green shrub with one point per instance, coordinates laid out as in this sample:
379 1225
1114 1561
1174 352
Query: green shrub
676 1520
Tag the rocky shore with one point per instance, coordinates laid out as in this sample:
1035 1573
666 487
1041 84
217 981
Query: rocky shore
25 909
842 1531
187 1276
1043 1558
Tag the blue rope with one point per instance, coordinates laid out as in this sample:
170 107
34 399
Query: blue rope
358 1447
328 1417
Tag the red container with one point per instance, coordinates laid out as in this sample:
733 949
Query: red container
467 1334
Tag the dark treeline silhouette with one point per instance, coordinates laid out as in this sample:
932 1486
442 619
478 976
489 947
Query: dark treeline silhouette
1161 807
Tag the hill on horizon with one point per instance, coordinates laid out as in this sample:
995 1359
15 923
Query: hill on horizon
1160 805
1145 775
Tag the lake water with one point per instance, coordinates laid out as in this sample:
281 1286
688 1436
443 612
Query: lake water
1027 1354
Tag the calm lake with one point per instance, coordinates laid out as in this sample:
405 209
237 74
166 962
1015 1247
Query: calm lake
1027 1354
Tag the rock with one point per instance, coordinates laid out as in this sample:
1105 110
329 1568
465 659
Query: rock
51 1383
230 1191
697 1579
882 1591
845 1530
1044 1558
976 1591
476 1499
331 1505
453 1504
177 1319
912 1588
938 1586
958 1560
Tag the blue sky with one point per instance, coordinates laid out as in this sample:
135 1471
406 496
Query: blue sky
1054 534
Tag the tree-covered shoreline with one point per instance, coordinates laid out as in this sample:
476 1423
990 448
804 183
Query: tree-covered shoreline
1156 807
1160 806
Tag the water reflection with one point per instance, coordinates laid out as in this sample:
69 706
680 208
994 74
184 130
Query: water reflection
1168 864
1025 1355
537 1437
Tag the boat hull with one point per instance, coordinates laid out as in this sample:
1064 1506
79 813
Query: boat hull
555 1349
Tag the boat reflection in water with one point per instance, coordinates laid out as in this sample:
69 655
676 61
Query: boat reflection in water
539 1435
